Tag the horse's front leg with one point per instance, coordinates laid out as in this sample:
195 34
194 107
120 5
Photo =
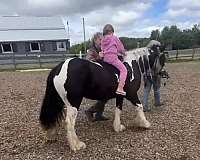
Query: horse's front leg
74 142
117 122
140 119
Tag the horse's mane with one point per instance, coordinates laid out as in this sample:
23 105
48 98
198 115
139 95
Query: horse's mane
135 54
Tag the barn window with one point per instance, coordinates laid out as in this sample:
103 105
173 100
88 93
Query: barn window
61 46
34 47
7 48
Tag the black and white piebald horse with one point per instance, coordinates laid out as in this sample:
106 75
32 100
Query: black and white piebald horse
76 78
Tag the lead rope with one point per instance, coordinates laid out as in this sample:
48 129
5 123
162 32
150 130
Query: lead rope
149 67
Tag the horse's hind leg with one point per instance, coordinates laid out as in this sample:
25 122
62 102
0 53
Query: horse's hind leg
72 112
117 122
74 142
72 102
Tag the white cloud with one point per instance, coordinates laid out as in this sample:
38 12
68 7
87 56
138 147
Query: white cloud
43 3
129 17
192 4
183 8
183 12
122 17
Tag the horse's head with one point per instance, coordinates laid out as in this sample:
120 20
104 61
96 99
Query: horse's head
151 59
157 57
155 47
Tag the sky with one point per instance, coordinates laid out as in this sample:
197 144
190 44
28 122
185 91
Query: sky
130 18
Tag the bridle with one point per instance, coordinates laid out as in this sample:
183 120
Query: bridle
153 70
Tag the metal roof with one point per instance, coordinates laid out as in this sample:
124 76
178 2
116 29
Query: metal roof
31 28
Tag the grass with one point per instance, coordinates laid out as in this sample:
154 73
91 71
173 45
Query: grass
183 60
10 68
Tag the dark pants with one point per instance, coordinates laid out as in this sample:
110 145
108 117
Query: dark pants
98 108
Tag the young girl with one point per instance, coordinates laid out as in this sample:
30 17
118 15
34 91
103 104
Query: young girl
111 46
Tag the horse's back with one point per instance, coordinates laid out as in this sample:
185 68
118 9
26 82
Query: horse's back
93 79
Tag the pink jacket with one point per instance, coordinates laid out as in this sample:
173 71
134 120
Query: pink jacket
111 44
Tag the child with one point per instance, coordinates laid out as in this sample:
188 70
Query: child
111 46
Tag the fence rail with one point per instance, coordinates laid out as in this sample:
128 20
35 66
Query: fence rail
186 54
33 60
41 60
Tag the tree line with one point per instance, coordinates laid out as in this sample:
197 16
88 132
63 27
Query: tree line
175 38
170 36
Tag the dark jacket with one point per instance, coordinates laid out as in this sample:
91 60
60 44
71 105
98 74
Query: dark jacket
93 54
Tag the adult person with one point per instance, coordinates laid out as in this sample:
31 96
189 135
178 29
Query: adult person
95 113
155 81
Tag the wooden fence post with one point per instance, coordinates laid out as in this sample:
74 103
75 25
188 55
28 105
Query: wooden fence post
65 55
80 54
14 61
193 53
39 56
176 54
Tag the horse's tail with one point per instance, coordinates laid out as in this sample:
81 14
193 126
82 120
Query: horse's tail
52 110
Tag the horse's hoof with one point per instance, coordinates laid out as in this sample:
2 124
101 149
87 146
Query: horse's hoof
50 139
147 124
119 128
143 123
122 127
82 145
78 146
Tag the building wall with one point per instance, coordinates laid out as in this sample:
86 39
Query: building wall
20 47
46 47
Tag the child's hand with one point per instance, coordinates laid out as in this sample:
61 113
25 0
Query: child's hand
125 53
101 54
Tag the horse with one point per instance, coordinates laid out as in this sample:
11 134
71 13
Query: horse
72 80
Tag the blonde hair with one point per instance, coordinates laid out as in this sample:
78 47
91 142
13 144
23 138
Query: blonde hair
107 29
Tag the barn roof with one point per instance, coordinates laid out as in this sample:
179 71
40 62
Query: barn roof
17 28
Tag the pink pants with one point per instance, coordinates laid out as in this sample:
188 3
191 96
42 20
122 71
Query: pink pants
113 59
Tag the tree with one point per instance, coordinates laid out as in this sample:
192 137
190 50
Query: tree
170 36
155 35
196 34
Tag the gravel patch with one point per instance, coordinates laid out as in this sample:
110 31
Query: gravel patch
174 135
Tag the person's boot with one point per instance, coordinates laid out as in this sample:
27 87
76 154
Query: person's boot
159 104
146 109
120 89
90 113
100 117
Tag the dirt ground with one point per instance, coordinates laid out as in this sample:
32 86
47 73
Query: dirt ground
174 134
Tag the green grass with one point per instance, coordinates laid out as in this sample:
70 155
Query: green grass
10 68
183 60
